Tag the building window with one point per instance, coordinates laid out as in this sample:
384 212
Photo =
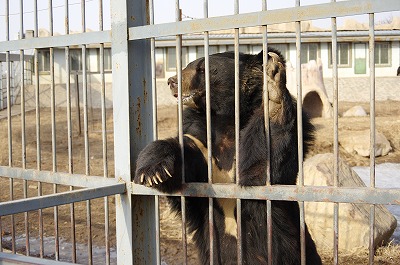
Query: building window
309 51
107 59
256 49
243 48
171 58
44 60
75 59
343 54
200 52
382 53
212 49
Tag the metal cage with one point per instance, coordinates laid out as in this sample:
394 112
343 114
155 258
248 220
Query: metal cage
133 36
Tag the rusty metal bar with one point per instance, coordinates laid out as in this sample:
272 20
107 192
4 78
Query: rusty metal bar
267 134
284 15
362 195
7 258
178 17
77 180
209 135
37 114
9 117
57 41
134 132
69 128
372 132
104 138
86 132
61 198
23 122
53 131
155 129
237 137
335 138
300 136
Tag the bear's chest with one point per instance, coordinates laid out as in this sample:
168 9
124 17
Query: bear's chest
223 158
223 165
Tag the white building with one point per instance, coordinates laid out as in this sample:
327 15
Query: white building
353 49
352 43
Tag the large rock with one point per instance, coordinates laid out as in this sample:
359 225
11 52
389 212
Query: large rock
356 111
353 218
359 142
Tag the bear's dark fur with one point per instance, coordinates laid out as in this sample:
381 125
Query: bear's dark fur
159 164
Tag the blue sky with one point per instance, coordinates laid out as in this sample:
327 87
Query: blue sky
164 12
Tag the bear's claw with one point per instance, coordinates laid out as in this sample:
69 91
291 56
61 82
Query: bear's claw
166 171
153 177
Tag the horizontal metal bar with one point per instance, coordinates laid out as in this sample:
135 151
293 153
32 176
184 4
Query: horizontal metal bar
46 201
57 41
275 37
8 258
285 15
282 192
76 180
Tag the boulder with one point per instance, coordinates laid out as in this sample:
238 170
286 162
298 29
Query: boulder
359 142
356 111
353 218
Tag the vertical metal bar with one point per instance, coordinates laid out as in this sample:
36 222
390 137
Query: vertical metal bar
300 135
104 136
372 130
267 135
10 157
155 134
38 142
53 130
178 17
209 137
69 128
131 72
335 138
86 133
237 137
23 131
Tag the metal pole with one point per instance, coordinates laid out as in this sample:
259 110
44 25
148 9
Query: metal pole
131 80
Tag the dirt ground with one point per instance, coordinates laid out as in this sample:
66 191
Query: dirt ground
387 122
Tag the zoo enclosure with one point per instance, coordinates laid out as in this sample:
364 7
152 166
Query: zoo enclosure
135 124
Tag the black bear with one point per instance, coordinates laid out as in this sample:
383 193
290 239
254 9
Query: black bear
159 164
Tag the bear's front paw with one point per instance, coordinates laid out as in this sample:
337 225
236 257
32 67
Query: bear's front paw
276 73
152 175
158 162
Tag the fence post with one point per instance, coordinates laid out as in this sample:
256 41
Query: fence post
132 108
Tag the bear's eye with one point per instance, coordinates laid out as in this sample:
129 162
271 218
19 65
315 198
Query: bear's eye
200 70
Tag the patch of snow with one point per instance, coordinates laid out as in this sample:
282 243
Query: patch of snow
65 250
387 176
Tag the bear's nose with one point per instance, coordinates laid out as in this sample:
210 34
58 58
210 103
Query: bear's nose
173 82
